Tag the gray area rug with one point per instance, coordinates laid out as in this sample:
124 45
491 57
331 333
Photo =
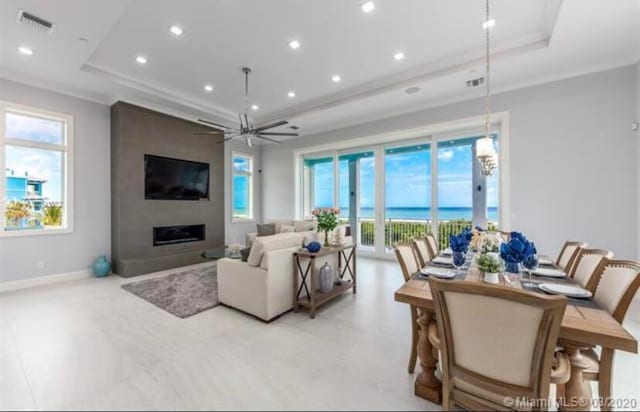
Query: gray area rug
183 294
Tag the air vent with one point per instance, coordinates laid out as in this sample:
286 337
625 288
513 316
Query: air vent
35 21
475 82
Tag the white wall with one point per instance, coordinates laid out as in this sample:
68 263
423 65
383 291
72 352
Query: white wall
91 237
638 144
573 159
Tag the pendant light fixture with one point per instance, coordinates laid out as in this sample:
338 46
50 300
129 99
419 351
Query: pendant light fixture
485 151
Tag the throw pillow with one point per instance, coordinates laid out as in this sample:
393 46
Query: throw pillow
267 229
287 229
304 226
245 254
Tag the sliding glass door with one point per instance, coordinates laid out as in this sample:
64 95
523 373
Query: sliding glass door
357 195
391 193
407 190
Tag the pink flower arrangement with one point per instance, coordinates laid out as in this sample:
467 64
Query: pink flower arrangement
325 210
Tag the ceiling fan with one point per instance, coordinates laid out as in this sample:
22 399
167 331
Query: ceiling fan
247 130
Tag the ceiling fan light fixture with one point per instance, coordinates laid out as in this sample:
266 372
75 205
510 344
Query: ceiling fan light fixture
249 142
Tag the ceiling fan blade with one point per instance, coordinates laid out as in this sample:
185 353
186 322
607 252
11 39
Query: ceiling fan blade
228 138
278 134
259 136
271 126
220 132
219 126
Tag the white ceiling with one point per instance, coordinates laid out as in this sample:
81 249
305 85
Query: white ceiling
533 41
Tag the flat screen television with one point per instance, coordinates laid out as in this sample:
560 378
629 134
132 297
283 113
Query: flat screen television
175 179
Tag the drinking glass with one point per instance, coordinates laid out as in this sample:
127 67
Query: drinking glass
530 263
458 260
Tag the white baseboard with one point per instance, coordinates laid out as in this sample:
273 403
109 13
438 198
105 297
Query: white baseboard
43 280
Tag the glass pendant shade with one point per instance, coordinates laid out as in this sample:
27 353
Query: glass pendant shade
484 147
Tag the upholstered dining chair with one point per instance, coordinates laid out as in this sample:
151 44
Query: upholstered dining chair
409 265
423 251
432 242
568 254
587 264
618 282
497 344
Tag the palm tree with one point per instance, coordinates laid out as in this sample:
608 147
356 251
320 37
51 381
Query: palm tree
52 214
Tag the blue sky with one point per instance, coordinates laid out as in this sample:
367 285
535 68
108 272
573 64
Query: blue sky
37 163
408 177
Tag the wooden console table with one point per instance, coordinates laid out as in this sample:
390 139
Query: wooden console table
305 279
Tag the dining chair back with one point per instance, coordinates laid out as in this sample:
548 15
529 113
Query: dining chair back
617 283
587 264
432 242
409 266
497 343
568 254
423 251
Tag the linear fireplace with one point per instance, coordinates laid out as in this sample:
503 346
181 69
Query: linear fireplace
169 235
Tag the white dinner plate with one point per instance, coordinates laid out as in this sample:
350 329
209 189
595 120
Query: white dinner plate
545 261
442 260
442 273
549 272
566 290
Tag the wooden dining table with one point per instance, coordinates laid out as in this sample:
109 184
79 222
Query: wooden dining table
585 324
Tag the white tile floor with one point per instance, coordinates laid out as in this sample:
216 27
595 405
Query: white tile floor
91 345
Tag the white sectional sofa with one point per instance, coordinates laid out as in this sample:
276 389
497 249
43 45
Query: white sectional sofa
263 285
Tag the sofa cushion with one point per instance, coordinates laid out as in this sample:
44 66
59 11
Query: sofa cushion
287 229
279 223
268 243
304 225
266 229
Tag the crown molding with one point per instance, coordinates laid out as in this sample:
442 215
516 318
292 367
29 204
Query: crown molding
155 91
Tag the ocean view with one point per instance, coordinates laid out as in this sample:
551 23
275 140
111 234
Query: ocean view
423 213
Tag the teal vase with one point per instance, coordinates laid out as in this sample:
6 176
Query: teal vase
101 267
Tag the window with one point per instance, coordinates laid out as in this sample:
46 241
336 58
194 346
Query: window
242 186
36 171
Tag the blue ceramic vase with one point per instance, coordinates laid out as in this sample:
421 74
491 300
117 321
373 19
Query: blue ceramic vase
101 267
313 247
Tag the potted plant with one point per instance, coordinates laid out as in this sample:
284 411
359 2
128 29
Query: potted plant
327 221
489 264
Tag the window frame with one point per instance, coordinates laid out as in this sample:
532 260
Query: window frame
250 175
67 149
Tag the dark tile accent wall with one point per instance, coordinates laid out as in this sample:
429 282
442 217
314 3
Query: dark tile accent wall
136 131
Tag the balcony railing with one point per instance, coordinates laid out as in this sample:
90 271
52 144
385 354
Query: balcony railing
401 230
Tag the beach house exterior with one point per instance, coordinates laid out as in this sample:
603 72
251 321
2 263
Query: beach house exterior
26 189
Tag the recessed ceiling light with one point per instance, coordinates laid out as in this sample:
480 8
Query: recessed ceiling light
291 94
141 60
176 30
208 87
336 78
25 50
294 44
399 56
412 90
489 23
367 6
254 107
